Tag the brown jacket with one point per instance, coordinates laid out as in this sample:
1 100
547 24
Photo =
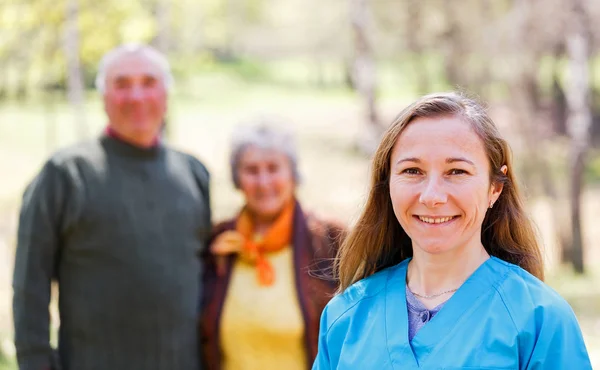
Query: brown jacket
315 244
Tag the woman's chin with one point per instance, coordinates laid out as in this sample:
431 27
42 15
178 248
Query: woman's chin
435 248
267 211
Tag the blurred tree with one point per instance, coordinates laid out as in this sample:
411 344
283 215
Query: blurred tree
558 98
50 91
364 73
414 46
579 120
235 24
163 42
162 12
529 42
75 86
455 46
191 28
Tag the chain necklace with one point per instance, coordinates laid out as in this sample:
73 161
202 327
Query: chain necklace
433 295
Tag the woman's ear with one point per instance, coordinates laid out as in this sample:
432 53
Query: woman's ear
496 188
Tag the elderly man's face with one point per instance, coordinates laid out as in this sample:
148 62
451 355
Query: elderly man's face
135 98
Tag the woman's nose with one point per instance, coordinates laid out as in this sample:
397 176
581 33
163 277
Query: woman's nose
433 193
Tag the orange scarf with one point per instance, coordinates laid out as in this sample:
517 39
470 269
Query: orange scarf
276 238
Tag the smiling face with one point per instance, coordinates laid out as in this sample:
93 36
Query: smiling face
135 99
440 184
267 181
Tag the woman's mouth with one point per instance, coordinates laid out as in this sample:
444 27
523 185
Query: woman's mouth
436 219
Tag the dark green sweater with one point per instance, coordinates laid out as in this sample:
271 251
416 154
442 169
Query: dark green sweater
120 228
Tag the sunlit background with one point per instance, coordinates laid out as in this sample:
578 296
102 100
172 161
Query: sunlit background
336 72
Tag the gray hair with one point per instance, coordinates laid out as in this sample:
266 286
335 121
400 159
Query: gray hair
263 134
149 52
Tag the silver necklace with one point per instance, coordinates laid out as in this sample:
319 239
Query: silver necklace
433 295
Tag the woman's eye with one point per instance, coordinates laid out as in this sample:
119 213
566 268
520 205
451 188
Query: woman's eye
250 170
457 171
411 171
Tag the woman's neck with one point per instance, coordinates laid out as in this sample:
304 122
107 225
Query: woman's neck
261 227
430 275
262 224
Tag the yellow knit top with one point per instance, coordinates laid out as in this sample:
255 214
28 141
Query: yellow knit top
262 327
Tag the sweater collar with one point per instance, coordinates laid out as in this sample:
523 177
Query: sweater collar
114 142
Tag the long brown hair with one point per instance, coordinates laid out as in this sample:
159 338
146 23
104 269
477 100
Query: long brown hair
378 241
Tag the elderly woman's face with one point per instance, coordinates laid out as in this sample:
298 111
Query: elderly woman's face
439 185
267 181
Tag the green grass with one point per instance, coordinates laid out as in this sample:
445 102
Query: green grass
8 365
592 171
7 362
583 294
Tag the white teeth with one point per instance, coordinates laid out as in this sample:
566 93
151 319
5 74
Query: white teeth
430 220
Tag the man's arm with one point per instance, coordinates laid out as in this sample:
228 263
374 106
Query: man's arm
35 266
202 177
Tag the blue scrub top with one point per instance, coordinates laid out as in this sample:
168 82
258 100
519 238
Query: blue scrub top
502 317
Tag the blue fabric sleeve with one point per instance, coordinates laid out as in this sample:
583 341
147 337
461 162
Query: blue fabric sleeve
322 361
559 343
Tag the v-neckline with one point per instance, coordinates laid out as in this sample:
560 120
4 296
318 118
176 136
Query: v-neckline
436 332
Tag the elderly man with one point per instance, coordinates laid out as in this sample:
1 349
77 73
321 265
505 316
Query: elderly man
119 223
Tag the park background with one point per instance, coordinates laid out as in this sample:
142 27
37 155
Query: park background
335 72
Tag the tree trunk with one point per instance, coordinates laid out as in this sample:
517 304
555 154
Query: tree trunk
482 81
364 73
234 25
192 37
595 107
414 46
3 81
50 116
75 87
162 42
536 171
22 72
455 52
579 120
163 23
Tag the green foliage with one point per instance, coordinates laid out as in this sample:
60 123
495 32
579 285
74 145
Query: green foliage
592 173
33 31
595 70
8 366
6 363
246 69
32 34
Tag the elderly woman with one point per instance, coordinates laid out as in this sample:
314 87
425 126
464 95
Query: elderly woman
265 284
443 270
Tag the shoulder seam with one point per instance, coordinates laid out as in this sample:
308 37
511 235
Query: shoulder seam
346 310
497 288
355 303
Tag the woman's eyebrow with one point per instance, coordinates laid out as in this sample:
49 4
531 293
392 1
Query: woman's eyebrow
459 159
410 159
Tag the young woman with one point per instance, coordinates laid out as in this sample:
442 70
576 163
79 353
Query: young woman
443 269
